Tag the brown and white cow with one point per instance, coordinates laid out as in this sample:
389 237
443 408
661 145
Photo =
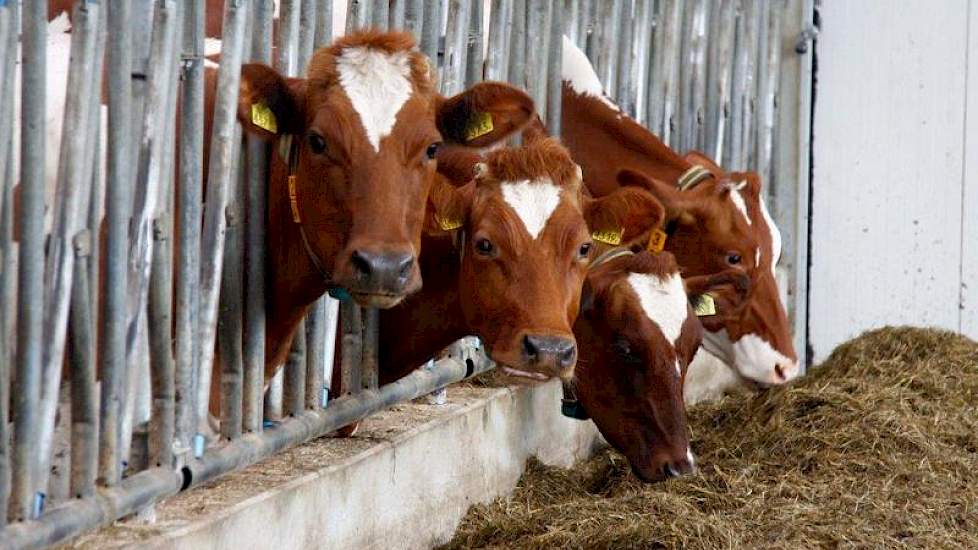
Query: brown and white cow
509 263
716 221
358 138
637 333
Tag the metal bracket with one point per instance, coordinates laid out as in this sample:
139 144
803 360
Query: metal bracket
808 34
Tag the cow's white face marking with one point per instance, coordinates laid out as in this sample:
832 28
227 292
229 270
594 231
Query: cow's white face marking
679 370
663 300
533 201
578 72
378 85
756 359
775 237
738 201
690 458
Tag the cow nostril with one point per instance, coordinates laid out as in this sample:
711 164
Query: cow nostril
361 264
779 372
567 354
670 471
404 266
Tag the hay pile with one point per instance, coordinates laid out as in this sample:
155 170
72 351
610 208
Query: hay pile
876 447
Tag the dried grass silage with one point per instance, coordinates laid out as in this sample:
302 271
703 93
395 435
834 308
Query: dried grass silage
877 447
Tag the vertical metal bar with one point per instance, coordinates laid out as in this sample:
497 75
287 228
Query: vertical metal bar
734 155
768 91
431 30
694 77
517 45
398 13
315 352
380 14
536 62
84 389
8 290
475 54
555 56
8 55
112 337
255 206
189 206
295 373
351 320
69 216
160 339
571 28
718 95
414 17
624 91
288 37
307 34
30 306
222 157
324 23
589 33
662 103
453 73
229 326
331 325
358 14
498 50
369 370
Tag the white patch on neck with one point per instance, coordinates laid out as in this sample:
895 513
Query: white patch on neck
663 300
679 370
577 71
378 85
755 358
533 201
738 201
775 236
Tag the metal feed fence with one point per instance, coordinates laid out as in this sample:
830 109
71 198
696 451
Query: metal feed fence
126 427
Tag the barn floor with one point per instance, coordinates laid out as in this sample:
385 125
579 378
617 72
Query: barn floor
877 447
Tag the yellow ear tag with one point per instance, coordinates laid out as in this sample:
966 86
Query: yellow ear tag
263 117
447 224
608 237
707 306
657 240
479 125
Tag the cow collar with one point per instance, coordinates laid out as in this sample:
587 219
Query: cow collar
692 177
288 149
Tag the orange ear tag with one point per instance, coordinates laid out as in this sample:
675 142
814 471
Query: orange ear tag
293 199
657 240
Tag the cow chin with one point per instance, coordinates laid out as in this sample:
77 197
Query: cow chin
379 301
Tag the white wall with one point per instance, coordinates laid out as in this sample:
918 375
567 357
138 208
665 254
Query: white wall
895 235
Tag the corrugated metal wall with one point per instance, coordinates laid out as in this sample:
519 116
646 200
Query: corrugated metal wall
895 195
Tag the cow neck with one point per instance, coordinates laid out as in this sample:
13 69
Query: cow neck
435 310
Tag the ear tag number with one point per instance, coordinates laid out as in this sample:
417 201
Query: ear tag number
448 224
608 237
657 240
707 306
263 117
479 125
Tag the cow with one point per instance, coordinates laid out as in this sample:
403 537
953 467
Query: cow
348 193
637 333
506 261
715 222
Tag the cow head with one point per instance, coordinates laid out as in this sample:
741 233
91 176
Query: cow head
525 232
637 335
720 225
363 129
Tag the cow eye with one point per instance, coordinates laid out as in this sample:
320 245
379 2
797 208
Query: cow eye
623 349
584 251
317 143
483 247
432 150
733 259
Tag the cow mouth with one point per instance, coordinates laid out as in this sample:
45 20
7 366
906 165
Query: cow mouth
525 375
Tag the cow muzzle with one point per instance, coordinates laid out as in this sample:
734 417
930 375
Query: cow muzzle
379 279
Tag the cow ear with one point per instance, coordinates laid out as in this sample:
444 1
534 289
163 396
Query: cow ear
448 206
681 206
623 215
483 115
269 104
700 159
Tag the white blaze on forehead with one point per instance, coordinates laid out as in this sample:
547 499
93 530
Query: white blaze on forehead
738 201
663 300
775 236
578 72
755 358
533 201
378 85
